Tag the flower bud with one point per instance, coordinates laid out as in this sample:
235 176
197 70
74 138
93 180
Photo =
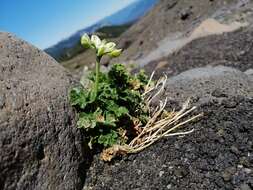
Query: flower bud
85 41
115 53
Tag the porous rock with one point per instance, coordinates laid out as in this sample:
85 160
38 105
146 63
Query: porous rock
40 147
207 84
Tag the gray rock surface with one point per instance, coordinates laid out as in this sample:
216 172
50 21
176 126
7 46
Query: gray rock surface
40 147
207 84
249 72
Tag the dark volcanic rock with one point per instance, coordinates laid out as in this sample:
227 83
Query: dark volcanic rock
217 155
209 84
40 147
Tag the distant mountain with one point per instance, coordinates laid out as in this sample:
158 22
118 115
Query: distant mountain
127 15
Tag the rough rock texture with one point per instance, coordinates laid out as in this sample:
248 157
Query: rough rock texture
207 84
40 147
217 155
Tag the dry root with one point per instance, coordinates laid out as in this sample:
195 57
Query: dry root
161 123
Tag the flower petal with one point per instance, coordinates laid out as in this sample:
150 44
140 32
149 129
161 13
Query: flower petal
115 53
109 47
96 41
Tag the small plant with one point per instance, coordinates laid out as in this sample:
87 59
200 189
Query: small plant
115 109
109 109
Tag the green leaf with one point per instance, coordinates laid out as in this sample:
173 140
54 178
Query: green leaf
111 106
121 111
86 121
90 120
117 110
108 139
119 76
142 77
93 96
107 93
78 97
110 119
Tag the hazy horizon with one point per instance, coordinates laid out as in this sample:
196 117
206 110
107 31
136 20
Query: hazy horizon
29 20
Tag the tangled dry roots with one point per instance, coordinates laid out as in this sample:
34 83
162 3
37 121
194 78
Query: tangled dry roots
161 123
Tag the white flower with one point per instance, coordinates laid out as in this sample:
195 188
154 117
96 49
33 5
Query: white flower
95 40
102 47
109 47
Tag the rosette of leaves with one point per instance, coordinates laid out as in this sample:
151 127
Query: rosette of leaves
109 110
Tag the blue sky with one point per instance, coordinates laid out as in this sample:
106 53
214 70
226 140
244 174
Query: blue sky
45 22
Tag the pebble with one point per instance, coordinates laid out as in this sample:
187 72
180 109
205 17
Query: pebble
247 170
2 101
180 172
161 173
218 93
169 186
228 173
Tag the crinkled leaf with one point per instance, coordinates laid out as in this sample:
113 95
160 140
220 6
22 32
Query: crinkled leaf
142 77
89 120
121 111
106 92
119 76
86 121
108 139
110 120
78 97
111 106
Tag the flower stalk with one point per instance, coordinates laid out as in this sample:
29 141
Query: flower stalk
98 59
102 48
